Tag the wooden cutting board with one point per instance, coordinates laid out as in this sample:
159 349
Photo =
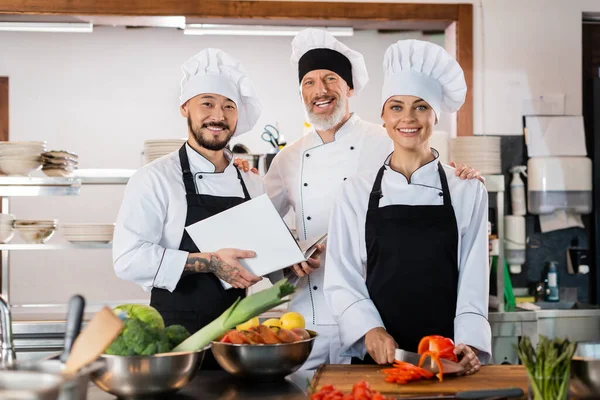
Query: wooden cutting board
343 377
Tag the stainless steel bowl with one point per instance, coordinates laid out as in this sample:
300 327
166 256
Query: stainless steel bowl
130 377
29 385
585 370
74 387
263 360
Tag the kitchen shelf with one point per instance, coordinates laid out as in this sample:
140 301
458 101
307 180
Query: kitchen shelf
65 246
23 186
16 186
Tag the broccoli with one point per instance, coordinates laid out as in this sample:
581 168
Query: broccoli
141 337
176 334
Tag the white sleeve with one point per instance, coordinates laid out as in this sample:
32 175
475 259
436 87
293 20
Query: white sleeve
471 326
275 187
137 256
345 288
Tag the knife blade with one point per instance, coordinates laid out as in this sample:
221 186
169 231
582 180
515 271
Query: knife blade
508 393
450 367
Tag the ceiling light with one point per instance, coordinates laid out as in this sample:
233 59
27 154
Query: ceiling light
74 27
256 30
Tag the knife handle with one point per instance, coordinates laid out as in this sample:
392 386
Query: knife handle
483 394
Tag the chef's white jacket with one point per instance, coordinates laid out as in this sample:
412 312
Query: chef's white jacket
305 176
152 216
345 288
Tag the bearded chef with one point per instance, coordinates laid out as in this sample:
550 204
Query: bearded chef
407 254
151 247
305 175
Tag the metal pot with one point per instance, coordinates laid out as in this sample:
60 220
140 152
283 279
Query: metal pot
29 385
74 387
585 371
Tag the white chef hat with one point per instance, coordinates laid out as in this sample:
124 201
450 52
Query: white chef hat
317 49
215 71
425 70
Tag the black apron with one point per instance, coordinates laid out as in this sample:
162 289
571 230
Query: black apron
412 267
198 298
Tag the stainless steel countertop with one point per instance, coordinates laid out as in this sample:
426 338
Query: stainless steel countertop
532 316
219 385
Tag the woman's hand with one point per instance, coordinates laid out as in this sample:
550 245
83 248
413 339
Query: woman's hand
466 172
381 345
467 357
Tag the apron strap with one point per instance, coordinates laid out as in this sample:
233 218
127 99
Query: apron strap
188 178
376 191
239 175
445 189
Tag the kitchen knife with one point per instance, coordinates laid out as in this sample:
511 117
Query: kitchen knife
450 367
74 318
509 393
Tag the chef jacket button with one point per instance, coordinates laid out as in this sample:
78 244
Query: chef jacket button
306 184
308 218
345 178
315 288
199 176
307 155
441 194
351 147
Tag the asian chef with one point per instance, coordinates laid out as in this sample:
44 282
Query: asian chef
151 247
407 254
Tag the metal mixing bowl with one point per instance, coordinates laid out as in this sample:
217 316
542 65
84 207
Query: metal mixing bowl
585 370
141 376
263 360
29 385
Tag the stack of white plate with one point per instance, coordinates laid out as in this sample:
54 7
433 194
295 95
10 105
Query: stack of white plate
479 152
88 233
154 149
59 163
20 158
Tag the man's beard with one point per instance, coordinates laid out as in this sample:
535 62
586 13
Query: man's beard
326 121
209 142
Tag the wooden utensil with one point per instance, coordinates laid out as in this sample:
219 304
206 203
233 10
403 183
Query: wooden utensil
91 343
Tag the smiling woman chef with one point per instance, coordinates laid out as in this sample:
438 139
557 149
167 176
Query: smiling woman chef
151 247
407 254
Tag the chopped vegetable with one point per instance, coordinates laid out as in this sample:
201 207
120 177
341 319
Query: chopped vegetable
403 372
360 391
437 347
548 367
241 311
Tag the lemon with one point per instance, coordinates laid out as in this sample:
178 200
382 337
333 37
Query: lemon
248 324
292 320
272 322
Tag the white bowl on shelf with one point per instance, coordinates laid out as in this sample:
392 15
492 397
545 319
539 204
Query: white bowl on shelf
36 235
12 166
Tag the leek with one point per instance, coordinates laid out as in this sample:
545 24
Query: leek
239 312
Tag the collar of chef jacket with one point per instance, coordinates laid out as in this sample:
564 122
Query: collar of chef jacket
199 163
344 130
427 175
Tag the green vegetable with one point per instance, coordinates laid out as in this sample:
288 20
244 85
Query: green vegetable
241 311
145 337
144 313
176 334
549 367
